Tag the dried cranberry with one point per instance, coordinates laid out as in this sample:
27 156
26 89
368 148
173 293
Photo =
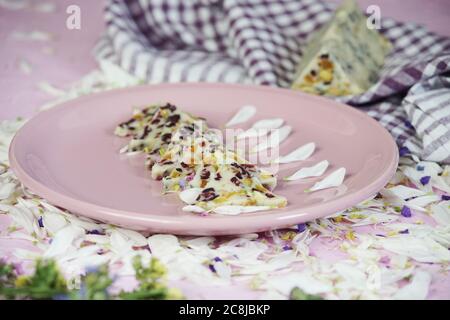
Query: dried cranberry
235 181
205 174
166 137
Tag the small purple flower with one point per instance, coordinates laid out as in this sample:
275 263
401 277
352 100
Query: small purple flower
425 180
301 227
182 184
406 231
211 267
403 151
94 232
406 212
409 124
40 222
287 247
380 235
217 259
445 197
420 168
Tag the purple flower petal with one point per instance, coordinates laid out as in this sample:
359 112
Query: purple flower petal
94 232
420 168
406 231
301 227
409 124
445 197
406 212
40 222
211 267
425 180
403 151
217 259
287 247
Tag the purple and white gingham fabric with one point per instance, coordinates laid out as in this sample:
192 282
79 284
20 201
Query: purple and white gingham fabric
261 42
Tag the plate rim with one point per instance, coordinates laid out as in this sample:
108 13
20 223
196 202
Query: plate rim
148 221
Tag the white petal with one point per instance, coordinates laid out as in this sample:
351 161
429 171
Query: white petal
189 196
421 202
308 172
235 210
420 249
299 154
134 236
14 5
193 208
404 192
6 190
120 76
53 222
376 218
163 244
334 179
45 7
417 289
273 123
253 133
63 240
25 66
304 280
276 137
244 114
50 89
35 35
441 213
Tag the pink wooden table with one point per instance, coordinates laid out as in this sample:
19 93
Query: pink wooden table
72 58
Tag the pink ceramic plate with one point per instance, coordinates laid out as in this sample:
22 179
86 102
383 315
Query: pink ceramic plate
69 156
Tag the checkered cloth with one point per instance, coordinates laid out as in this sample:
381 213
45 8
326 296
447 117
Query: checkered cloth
261 42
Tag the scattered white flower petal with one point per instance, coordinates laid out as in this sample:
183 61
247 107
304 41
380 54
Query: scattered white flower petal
420 203
419 249
261 127
243 115
189 196
417 289
35 35
441 213
334 179
14 4
299 154
193 208
315 171
276 137
45 7
163 244
50 89
403 192
235 210
25 66
63 241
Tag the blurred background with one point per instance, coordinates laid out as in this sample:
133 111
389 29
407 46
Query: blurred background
67 55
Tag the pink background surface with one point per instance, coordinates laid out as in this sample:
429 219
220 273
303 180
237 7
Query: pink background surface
72 58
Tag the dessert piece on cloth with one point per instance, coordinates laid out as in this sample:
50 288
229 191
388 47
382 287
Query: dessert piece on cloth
253 41
344 57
